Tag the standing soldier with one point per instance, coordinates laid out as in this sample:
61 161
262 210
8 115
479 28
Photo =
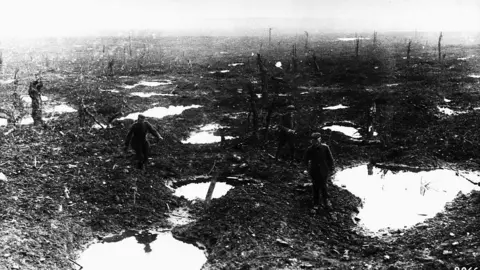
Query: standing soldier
320 164
286 132
34 91
137 137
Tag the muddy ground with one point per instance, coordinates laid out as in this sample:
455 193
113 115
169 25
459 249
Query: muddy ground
68 185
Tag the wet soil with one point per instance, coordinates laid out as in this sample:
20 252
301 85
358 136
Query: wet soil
68 185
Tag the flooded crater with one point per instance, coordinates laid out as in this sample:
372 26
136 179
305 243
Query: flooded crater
402 199
148 84
449 111
146 95
198 191
148 250
336 107
206 134
348 131
160 112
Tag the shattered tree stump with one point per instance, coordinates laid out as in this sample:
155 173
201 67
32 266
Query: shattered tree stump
34 91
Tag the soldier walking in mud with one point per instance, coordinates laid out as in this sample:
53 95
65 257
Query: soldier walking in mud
319 161
286 132
137 137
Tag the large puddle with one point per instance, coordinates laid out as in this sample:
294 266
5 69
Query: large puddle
198 191
336 107
349 131
449 111
403 199
476 76
148 84
145 250
50 110
146 95
3 122
160 112
7 81
205 135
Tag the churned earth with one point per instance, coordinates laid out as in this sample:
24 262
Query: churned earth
66 186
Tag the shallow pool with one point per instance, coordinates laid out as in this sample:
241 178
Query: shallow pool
403 199
148 250
199 190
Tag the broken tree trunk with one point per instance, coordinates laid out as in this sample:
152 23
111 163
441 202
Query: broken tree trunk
268 120
211 188
253 108
34 91
263 78
440 47
316 68
294 59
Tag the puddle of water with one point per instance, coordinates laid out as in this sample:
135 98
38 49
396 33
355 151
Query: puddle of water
224 52
349 131
446 100
199 190
160 112
8 81
146 95
259 95
304 93
49 109
352 39
337 107
3 122
392 84
404 198
278 64
449 111
465 58
476 76
221 71
235 64
146 251
206 135
110 90
149 84
62 108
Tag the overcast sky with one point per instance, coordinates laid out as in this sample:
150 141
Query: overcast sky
72 17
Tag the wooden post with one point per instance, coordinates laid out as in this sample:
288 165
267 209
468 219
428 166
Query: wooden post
211 188
263 77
